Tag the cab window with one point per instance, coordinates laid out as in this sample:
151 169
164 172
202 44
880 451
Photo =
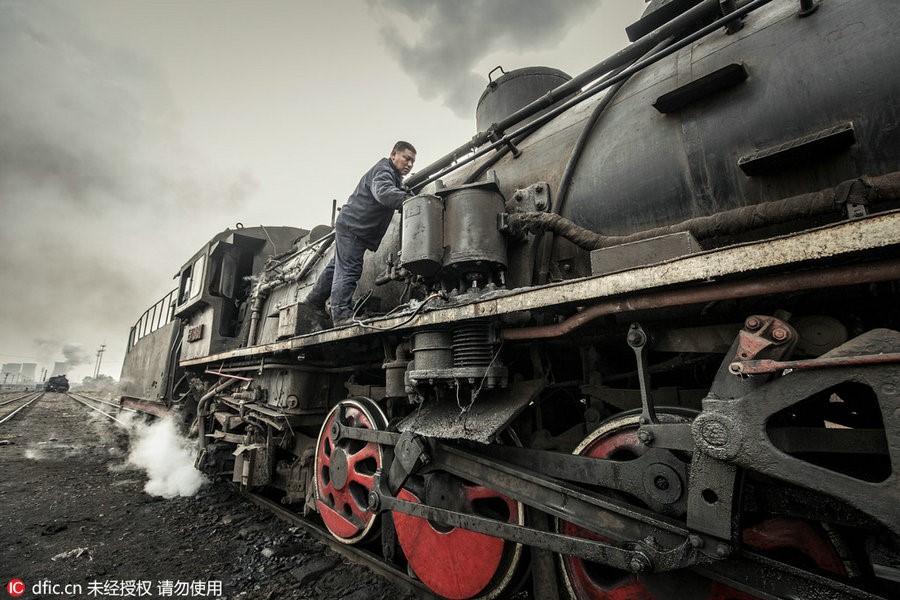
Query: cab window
197 276
191 279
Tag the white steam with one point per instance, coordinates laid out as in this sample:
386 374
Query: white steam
167 458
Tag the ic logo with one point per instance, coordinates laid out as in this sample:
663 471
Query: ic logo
15 587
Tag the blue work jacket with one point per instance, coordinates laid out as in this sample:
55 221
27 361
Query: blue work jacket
370 208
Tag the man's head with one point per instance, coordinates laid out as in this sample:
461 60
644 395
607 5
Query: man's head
403 156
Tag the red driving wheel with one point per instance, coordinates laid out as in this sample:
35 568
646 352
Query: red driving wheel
458 563
345 471
617 439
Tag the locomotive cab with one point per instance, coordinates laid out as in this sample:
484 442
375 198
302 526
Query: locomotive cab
215 284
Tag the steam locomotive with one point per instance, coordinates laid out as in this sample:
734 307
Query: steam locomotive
58 383
637 338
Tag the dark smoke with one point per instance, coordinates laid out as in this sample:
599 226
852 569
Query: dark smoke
91 123
99 194
451 37
76 355
50 350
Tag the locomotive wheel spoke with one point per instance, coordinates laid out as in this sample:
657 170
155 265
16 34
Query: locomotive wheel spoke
345 469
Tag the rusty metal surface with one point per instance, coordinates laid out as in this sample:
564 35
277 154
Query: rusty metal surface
741 436
481 422
643 252
754 367
156 409
878 231
146 370
806 280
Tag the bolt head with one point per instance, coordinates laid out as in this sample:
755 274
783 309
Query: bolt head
637 565
752 323
779 334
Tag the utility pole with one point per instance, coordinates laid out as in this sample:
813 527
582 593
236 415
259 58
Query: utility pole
99 358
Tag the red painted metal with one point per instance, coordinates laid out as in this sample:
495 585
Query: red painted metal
761 333
805 539
453 562
588 581
343 504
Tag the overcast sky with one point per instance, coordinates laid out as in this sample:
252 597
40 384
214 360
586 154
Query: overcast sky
131 131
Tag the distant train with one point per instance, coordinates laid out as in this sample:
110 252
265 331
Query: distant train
57 384
638 338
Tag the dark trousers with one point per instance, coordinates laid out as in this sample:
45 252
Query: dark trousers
339 278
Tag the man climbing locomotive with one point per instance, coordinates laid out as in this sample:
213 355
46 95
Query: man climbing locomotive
360 226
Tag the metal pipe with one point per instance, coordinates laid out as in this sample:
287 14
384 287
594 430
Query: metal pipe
699 13
324 243
265 285
545 247
776 284
755 367
220 374
866 188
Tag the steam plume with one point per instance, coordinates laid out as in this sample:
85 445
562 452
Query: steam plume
167 459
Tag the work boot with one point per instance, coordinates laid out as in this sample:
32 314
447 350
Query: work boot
311 318
342 321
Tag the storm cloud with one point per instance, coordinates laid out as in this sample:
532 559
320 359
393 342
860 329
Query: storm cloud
94 180
131 132
448 39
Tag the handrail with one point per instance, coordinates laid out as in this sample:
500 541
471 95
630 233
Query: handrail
496 133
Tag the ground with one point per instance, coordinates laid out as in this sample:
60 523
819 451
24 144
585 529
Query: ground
73 512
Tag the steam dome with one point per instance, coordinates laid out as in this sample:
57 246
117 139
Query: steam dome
511 91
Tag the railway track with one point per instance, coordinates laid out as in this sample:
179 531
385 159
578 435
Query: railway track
96 404
10 407
357 554
54 472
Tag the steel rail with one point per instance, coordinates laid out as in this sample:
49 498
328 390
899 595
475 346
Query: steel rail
11 400
736 571
37 396
354 553
107 415
101 401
